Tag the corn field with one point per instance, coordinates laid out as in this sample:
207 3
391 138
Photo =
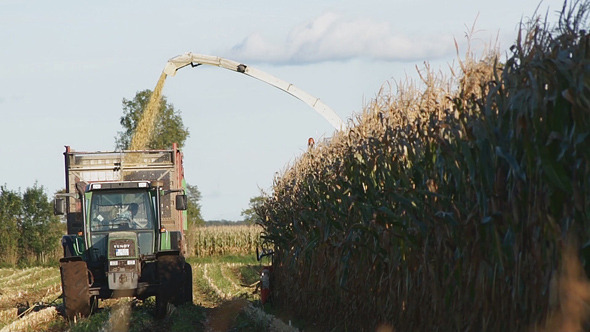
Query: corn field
447 207
224 240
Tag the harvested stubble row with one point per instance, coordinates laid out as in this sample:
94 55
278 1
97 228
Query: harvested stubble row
32 321
30 284
446 208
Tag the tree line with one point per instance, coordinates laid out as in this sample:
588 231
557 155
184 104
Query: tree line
29 232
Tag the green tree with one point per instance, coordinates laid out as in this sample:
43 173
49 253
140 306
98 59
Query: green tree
10 214
194 207
40 229
250 216
169 127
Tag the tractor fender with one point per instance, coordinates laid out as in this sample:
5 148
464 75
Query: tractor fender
73 245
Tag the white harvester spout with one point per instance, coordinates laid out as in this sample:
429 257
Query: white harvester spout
199 59
176 63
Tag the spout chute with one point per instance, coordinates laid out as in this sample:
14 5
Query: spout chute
194 60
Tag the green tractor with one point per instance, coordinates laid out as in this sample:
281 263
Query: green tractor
125 237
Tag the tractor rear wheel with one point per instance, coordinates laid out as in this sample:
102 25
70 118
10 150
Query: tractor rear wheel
74 283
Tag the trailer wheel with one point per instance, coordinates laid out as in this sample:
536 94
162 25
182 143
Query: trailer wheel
74 283
171 277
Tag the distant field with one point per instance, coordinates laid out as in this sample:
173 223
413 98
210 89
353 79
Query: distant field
224 240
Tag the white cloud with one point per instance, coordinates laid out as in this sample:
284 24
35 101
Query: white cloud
331 37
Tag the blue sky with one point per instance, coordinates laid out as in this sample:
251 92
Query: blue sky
66 66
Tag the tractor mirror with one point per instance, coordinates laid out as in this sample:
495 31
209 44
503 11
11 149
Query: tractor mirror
181 202
59 206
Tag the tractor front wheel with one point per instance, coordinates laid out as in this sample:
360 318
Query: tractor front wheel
74 283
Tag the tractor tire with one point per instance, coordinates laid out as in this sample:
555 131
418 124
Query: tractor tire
188 283
161 306
74 283
171 277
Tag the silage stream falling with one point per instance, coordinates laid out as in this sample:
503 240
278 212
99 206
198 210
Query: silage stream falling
145 127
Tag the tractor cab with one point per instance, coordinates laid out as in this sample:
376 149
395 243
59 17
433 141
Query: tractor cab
129 209
122 232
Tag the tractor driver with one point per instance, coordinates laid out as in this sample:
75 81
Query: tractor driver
136 222
133 208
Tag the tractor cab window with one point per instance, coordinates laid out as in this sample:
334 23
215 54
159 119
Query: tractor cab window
120 210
